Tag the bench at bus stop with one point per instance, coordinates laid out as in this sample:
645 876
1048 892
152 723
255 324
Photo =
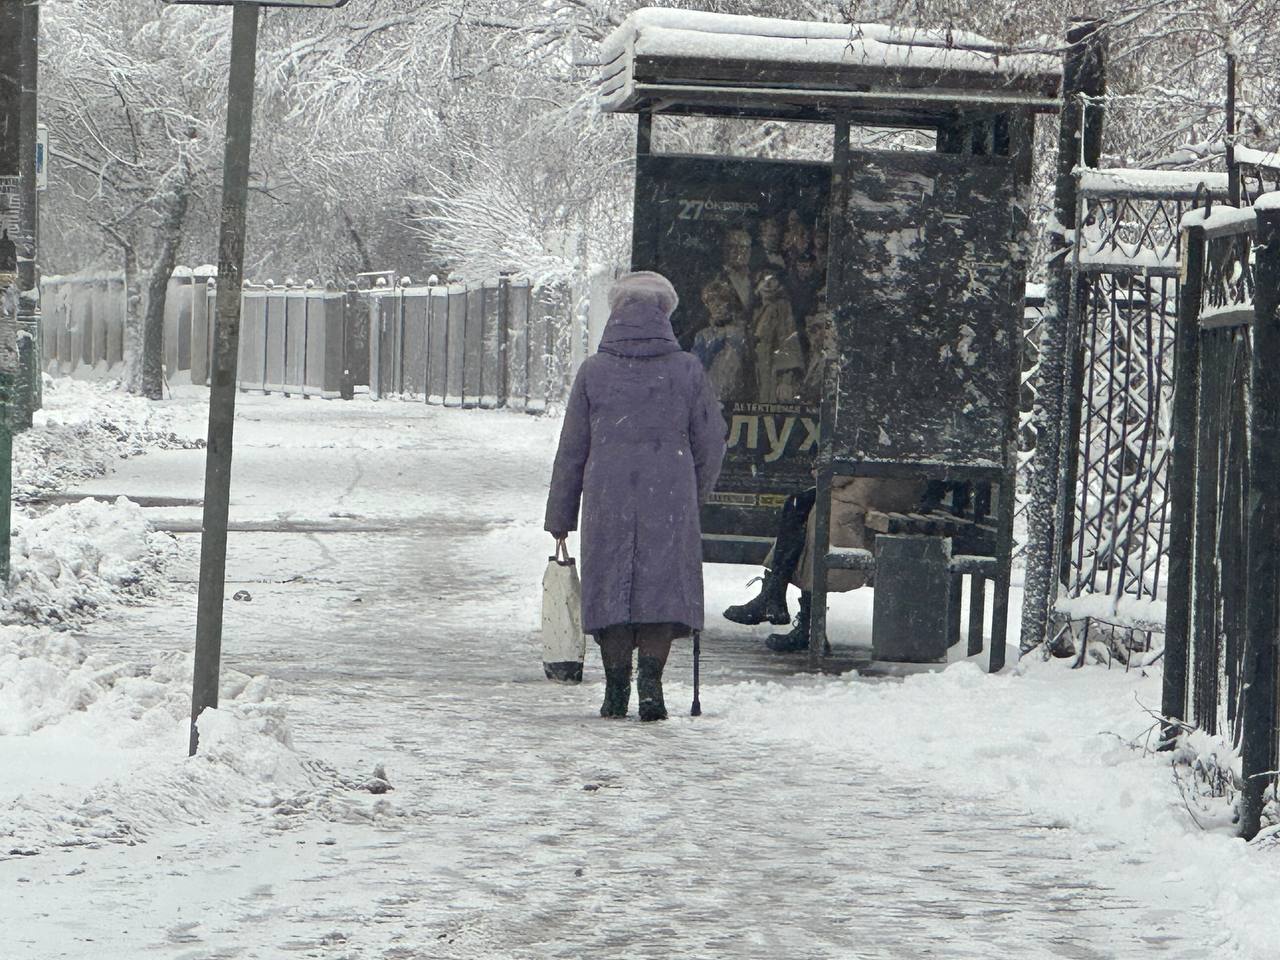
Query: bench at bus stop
917 564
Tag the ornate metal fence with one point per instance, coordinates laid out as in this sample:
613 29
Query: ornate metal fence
1220 671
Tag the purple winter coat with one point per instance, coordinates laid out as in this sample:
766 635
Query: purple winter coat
641 445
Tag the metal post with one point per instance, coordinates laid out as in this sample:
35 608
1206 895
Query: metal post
1258 745
1091 80
28 373
349 306
1182 478
222 390
1233 168
1083 73
645 243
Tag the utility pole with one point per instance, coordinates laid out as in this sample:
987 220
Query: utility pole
222 375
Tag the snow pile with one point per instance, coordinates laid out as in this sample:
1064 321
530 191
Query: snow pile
70 561
94 748
1121 181
82 430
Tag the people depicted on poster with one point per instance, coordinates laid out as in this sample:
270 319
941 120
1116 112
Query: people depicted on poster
764 311
722 345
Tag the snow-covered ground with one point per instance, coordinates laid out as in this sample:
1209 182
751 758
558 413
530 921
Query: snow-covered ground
390 556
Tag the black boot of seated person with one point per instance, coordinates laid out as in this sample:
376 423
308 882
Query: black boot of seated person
770 604
649 685
798 638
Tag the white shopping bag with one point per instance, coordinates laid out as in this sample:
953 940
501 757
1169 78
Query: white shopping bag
564 646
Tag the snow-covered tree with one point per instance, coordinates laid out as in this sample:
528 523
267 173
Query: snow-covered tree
132 100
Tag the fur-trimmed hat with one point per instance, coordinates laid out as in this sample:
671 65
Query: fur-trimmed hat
644 286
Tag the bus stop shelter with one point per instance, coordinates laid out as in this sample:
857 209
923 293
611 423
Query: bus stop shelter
860 315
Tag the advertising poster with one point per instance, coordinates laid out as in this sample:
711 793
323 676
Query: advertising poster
745 244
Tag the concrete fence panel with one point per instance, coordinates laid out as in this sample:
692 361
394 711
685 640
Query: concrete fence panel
498 343
118 301
517 350
492 346
252 362
277 334
473 349
456 339
294 346
415 305
202 314
437 344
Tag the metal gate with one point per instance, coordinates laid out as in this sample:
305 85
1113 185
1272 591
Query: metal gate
1124 313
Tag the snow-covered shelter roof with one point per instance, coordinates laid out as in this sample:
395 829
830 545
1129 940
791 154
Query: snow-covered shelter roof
687 62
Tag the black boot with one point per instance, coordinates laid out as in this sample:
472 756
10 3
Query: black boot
798 638
770 605
617 691
649 682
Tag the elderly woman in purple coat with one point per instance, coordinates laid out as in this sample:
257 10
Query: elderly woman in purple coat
640 447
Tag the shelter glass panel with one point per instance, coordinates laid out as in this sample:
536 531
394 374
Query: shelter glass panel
928 311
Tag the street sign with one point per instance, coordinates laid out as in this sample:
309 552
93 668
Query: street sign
322 4
42 157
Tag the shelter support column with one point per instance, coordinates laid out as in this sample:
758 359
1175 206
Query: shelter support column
837 246
643 243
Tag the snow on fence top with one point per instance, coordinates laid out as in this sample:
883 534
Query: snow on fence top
1149 184
723 61
1258 158
1268 201
1221 219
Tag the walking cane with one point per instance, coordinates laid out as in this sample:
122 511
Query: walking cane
696 709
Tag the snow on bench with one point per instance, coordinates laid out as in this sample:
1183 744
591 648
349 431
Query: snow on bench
1136 613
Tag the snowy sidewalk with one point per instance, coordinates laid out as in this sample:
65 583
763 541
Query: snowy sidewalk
392 555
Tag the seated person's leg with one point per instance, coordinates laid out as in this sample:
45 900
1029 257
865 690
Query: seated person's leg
788 547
